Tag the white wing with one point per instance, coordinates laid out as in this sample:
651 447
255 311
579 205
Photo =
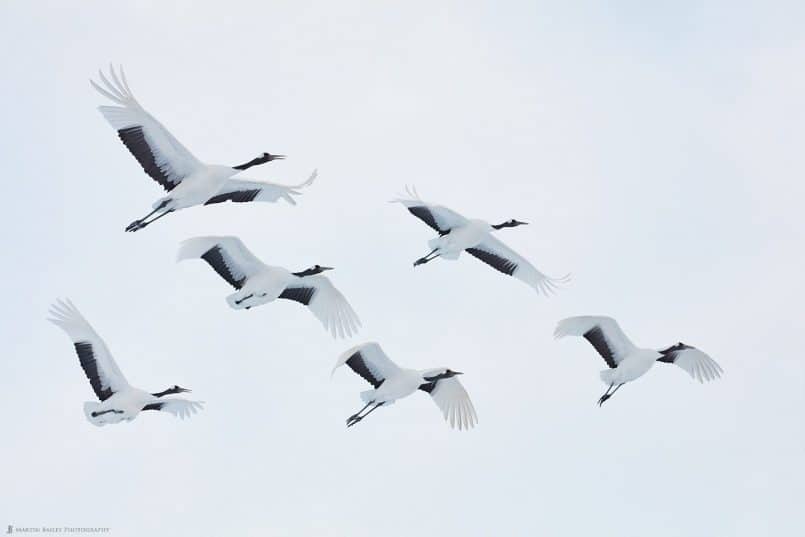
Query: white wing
437 217
181 408
698 364
603 333
245 190
228 256
95 358
326 302
455 404
500 257
160 154
370 362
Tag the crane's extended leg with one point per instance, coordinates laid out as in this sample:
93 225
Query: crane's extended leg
359 418
355 415
96 414
245 298
607 395
423 260
141 223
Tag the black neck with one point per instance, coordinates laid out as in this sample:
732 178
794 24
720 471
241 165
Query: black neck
501 226
309 272
169 391
437 378
675 348
253 162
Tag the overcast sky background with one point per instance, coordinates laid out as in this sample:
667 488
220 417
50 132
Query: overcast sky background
657 152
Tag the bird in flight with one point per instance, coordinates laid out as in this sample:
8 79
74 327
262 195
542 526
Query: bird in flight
258 283
628 362
392 382
119 400
458 234
188 181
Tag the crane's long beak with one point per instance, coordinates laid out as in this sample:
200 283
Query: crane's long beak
184 390
457 373
327 268
277 157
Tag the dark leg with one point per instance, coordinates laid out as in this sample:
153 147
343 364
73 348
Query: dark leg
96 414
137 224
355 415
359 418
608 394
141 223
247 297
423 260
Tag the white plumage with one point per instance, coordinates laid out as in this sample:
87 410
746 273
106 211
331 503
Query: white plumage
119 400
258 283
189 181
628 362
392 382
458 234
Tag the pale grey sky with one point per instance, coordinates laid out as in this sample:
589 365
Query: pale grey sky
657 152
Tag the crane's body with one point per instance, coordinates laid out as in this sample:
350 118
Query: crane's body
452 244
264 287
121 406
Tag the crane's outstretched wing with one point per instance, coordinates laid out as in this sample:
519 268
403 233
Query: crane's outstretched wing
502 258
439 218
370 362
181 408
228 256
160 154
245 190
454 402
603 333
95 358
326 302
698 364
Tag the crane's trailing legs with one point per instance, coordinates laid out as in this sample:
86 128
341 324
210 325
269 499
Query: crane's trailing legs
607 395
355 418
96 414
244 299
141 223
423 260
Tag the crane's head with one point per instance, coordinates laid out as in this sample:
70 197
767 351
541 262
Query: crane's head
260 159
269 157
433 375
510 223
170 391
315 269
